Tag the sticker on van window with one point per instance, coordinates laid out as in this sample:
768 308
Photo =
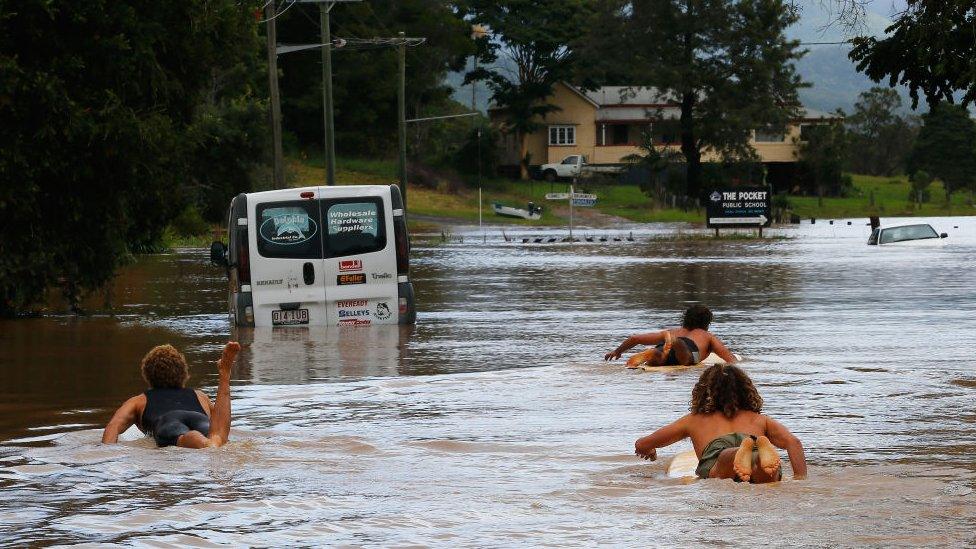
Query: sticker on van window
287 226
353 218
346 279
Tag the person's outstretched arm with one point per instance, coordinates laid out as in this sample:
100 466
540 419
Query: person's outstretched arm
781 437
721 350
646 447
653 338
124 417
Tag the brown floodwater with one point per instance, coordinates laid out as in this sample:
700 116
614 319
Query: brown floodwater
494 422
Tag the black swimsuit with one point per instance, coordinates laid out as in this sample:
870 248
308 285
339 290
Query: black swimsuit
170 413
672 360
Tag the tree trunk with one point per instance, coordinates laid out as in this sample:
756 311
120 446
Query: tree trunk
689 146
523 161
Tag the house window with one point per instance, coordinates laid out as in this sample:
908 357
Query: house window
770 135
620 134
562 135
806 130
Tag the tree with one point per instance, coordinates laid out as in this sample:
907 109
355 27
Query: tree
946 148
364 76
931 48
727 64
97 102
821 160
536 36
882 138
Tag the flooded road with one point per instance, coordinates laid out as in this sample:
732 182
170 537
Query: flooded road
494 422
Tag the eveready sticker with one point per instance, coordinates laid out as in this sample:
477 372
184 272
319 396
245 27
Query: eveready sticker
351 265
346 279
351 303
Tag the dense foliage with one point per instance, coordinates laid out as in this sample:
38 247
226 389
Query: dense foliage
822 156
881 137
727 64
946 148
931 48
365 75
110 115
537 38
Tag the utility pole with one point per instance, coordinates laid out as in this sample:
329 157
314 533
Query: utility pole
278 161
324 8
402 115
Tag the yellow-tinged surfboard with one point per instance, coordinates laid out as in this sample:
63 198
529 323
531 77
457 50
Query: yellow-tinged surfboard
710 360
683 465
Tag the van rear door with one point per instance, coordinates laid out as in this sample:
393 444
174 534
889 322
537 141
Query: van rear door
360 255
287 278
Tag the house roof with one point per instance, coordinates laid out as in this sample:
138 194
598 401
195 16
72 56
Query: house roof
807 113
608 96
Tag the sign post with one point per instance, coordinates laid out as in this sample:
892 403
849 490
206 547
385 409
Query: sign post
739 207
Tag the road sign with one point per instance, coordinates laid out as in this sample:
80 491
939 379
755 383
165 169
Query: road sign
576 196
738 207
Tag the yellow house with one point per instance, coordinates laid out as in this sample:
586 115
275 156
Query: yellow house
606 125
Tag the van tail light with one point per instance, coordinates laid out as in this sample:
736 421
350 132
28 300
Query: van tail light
403 306
243 260
402 245
402 239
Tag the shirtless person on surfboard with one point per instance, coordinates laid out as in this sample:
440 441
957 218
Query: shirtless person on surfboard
682 346
732 438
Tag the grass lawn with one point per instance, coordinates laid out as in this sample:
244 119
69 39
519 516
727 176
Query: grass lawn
625 201
890 196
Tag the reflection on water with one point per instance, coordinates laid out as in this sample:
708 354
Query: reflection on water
493 421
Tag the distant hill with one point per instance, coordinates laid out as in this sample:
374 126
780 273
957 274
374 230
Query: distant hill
835 82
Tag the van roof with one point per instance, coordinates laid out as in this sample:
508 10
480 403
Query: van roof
365 188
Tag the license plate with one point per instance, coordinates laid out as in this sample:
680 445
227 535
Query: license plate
293 316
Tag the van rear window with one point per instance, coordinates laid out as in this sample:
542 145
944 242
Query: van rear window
353 226
289 229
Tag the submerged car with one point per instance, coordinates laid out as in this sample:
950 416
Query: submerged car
917 234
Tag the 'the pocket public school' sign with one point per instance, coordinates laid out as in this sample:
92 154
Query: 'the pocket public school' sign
738 207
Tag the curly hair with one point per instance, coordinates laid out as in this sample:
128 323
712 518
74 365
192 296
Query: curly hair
697 316
164 367
727 389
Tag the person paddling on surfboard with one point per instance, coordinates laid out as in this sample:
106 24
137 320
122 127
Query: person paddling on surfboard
682 346
171 413
732 439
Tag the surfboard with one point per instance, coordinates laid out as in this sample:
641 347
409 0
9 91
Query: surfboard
709 360
683 465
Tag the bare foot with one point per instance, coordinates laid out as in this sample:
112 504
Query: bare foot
768 456
668 342
742 462
228 356
637 360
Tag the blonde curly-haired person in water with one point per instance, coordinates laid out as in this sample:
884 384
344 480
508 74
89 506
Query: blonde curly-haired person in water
731 438
171 413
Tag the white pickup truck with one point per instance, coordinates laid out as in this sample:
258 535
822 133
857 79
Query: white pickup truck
574 166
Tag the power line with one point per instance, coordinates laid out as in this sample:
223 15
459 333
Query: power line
280 13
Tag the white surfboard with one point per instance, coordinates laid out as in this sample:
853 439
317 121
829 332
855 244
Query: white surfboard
683 465
709 360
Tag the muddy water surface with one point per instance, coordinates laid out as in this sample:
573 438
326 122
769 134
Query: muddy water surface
494 421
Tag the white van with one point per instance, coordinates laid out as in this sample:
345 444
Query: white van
318 256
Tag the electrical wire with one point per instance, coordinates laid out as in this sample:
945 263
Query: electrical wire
280 13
